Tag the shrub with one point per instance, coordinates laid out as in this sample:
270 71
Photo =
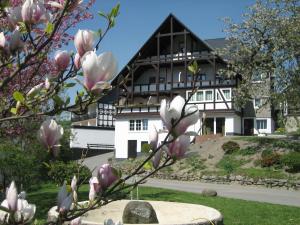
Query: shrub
60 171
280 130
230 147
291 161
230 164
269 158
18 165
145 148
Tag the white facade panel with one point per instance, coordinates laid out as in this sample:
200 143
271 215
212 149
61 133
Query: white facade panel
81 137
269 129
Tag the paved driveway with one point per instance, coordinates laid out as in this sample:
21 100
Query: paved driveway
95 161
276 196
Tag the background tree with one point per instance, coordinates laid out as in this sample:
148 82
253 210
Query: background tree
266 45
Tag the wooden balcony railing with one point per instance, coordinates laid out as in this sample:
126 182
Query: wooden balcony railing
140 88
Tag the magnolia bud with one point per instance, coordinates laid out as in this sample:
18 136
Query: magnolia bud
153 138
77 61
62 60
177 148
84 41
12 197
107 175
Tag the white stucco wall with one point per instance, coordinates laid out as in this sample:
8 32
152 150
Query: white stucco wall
81 137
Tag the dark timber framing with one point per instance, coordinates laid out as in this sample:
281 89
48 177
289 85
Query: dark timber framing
163 53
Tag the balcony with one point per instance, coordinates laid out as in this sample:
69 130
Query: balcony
177 57
141 88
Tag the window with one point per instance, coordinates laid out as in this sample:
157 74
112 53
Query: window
261 124
138 125
227 94
152 80
202 76
131 124
145 124
199 96
208 96
257 103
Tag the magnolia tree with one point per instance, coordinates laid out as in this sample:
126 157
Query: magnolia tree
266 45
32 80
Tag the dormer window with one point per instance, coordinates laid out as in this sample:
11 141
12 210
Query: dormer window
257 103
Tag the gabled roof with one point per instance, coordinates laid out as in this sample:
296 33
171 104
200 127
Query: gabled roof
209 44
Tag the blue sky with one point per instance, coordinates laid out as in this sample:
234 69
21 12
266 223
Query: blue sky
138 19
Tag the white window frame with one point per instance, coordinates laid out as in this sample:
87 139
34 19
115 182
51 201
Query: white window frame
138 124
266 123
131 124
192 100
254 103
144 124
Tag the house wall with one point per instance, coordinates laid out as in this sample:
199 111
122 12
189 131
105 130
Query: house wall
80 137
292 123
123 134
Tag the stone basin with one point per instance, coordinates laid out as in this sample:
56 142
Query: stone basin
168 213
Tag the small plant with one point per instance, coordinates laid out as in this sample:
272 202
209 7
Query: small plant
248 151
269 158
230 164
291 161
230 146
145 148
280 130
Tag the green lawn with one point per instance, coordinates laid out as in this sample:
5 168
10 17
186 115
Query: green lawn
234 211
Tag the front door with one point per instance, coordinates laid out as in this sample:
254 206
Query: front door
248 126
220 125
132 150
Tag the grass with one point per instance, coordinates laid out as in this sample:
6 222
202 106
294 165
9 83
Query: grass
235 212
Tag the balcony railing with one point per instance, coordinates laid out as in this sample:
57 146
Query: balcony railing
140 88
176 57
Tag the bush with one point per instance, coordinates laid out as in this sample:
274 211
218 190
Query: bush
230 164
291 161
145 148
280 130
248 151
18 165
269 158
60 171
230 147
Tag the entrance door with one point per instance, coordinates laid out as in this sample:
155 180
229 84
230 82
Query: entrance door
208 127
248 126
220 125
132 150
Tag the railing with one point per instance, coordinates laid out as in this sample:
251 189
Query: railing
140 88
176 57
101 147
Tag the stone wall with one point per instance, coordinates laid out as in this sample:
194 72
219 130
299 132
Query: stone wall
271 183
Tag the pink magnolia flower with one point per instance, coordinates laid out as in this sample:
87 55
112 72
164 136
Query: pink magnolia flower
156 158
171 113
94 188
177 148
74 183
76 221
97 70
77 61
3 41
62 60
49 134
23 212
12 197
84 41
153 138
107 175
64 200
34 11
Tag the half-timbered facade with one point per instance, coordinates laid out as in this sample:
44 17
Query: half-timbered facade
159 70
